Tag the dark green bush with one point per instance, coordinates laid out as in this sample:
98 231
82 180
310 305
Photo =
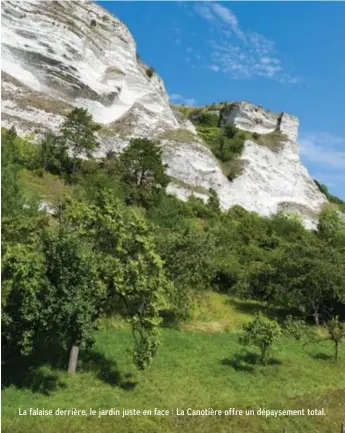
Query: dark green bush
150 72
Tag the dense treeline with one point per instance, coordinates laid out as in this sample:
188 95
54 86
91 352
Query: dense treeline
119 244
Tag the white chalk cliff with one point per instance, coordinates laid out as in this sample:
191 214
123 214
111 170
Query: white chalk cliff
58 55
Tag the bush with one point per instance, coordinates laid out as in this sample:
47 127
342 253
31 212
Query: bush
256 136
261 333
150 72
209 119
93 23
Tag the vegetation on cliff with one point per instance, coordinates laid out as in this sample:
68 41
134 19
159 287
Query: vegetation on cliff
118 262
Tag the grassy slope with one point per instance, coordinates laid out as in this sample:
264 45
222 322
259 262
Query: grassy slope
194 368
47 188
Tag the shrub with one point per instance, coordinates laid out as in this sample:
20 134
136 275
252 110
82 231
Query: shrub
93 23
208 119
261 333
336 333
150 72
256 136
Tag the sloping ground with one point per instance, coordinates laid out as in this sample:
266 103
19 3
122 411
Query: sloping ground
199 370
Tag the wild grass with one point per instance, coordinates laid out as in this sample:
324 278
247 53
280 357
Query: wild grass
200 368
45 187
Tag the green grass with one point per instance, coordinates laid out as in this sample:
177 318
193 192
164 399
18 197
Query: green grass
182 135
48 187
200 368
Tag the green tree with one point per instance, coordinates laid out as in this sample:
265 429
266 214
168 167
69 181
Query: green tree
331 226
263 334
53 154
11 187
129 265
23 281
189 263
53 294
336 333
213 201
142 170
73 298
78 132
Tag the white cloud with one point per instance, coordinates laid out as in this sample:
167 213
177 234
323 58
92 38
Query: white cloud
228 17
179 99
239 53
324 154
323 148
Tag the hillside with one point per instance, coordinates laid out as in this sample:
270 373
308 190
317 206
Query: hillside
95 65
209 371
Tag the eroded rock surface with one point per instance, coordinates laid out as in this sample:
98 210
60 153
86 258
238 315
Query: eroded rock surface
59 55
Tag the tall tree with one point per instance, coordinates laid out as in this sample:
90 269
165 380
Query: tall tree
78 131
142 170
129 265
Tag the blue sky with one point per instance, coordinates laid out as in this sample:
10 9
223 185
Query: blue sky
285 56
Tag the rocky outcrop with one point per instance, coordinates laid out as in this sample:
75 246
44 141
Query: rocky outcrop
59 55
256 119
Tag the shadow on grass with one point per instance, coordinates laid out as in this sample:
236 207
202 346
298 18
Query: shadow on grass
321 356
246 362
270 311
26 372
41 373
105 369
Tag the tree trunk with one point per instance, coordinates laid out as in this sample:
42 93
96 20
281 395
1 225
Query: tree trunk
73 359
316 318
336 351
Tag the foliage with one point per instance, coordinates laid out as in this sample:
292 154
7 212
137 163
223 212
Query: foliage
208 119
213 201
129 265
142 171
298 329
54 294
78 133
150 71
262 334
188 263
331 226
336 333
11 191
331 198
227 145
53 154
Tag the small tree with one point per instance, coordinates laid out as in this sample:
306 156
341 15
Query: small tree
53 155
263 334
53 294
142 170
336 333
213 201
74 296
78 132
130 267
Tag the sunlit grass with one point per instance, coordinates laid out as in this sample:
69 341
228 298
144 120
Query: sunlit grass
192 369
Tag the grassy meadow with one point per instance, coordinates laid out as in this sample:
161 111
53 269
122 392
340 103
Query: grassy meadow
200 366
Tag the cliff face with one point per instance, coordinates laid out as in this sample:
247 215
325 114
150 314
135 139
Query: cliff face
58 55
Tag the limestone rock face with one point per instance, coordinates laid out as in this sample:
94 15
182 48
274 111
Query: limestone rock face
56 55
255 119
59 55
